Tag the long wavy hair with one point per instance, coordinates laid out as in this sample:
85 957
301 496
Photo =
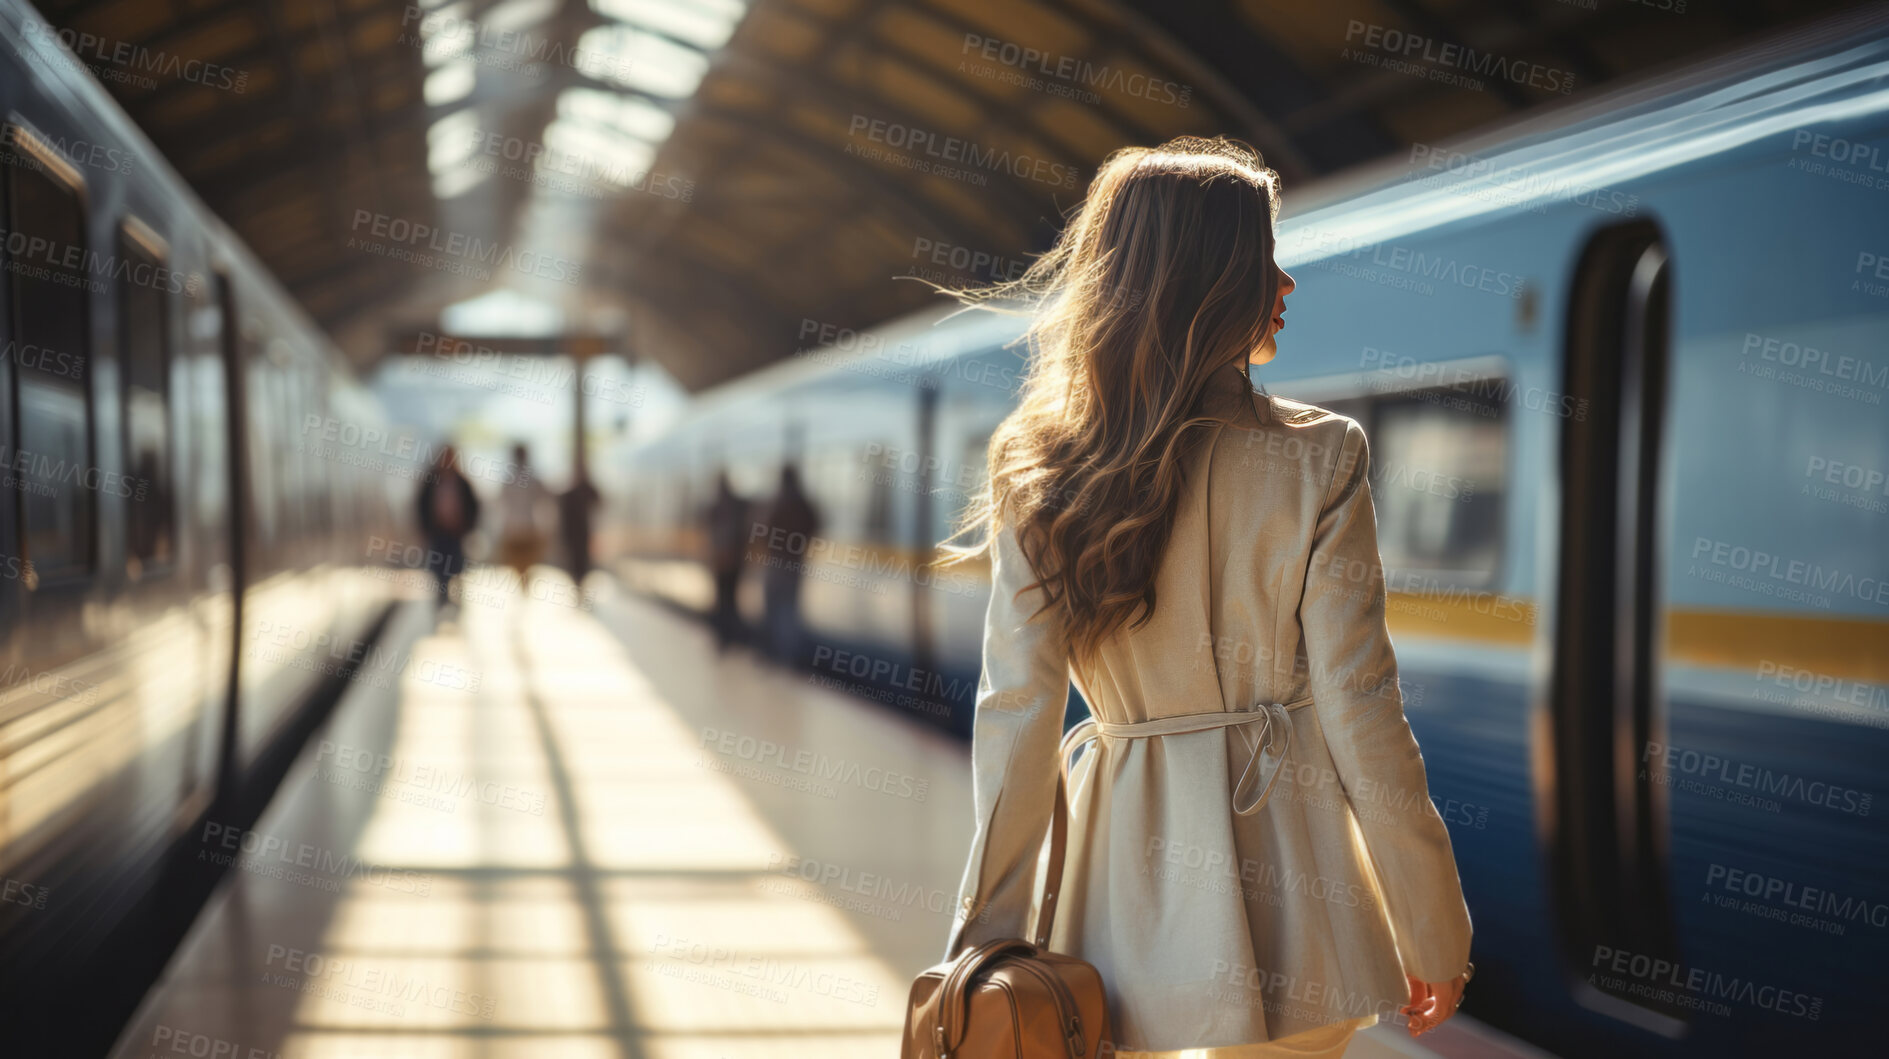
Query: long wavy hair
1157 291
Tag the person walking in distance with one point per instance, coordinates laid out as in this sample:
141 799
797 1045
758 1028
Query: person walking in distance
725 524
448 510
522 513
574 523
792 519
1201 558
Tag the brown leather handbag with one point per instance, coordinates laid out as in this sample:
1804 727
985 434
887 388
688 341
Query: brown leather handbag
1010 998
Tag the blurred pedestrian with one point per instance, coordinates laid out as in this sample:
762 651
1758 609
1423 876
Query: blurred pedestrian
792 522
574 507
449 510
726 522
522 516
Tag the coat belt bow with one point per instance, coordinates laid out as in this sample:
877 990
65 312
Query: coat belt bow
1262 769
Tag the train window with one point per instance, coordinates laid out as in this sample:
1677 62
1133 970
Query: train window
319 471
144 320
46 260
206 318
965 485
836 480
265 478
1438 464
878 527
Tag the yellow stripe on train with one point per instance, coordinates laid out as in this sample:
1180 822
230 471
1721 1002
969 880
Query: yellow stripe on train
1837 647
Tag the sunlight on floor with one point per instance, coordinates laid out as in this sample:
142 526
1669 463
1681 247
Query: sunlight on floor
569 879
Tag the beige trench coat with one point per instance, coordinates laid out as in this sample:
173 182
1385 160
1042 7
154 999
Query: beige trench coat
1213 928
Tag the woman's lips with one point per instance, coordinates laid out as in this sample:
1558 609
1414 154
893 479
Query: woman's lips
1279 322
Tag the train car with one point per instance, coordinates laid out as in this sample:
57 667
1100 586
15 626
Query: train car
887 429
1630 447
179 554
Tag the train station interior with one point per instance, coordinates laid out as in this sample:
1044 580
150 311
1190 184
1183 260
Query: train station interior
473 587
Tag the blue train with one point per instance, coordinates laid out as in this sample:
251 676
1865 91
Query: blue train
1624 366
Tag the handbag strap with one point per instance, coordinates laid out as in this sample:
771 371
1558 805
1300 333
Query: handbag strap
1058 841
1083 732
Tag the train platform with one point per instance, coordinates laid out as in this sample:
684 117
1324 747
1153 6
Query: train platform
559 825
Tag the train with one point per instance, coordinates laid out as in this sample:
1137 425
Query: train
1623 367
185 543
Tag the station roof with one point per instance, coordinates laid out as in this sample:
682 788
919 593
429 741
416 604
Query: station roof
714 181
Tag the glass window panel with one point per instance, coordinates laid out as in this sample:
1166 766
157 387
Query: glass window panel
144 308
53 477
53 469
268 480
1438 463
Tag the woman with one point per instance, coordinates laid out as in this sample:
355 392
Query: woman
449 509
1202 559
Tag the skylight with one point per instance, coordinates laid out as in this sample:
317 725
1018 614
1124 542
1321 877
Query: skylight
618 159
443 33
627 115
449 143
706 24
503 313
645 61
451 82
512 16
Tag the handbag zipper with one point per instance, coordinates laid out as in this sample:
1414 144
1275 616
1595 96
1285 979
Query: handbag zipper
1064 1005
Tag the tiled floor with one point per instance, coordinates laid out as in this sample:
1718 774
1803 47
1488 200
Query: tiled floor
562 833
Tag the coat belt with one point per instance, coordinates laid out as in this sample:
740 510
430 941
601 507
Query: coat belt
1262 769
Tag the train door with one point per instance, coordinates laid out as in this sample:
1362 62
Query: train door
969 397
228 338
1606 820
924 539
13 565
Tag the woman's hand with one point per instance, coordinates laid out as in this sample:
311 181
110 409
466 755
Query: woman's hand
1431 1003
